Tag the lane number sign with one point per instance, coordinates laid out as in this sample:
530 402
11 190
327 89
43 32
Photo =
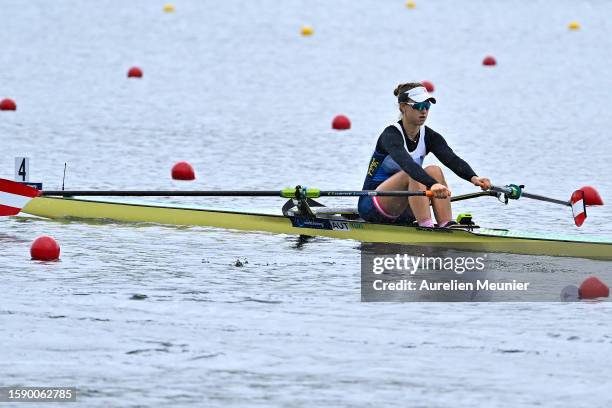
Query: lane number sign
22 169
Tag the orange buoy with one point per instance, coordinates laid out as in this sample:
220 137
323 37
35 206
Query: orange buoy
183 171
134 72
341 122
592 288
428 85
489 61
8 105
45 248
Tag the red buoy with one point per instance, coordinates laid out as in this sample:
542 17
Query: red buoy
45 248
592 288
428 85
134 72
591 196
341 122
489 61
183 171
8 105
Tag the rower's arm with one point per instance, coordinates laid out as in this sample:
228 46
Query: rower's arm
393 142
438 146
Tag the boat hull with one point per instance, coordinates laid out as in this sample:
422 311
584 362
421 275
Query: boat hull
485 240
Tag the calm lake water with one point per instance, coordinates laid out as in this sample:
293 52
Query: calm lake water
233 88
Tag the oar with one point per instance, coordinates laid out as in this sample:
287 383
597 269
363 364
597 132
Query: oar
286 193
514 192
14 196
578 201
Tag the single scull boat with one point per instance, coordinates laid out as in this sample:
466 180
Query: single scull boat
301 215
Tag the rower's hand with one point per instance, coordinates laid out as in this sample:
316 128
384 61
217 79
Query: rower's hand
482 182
440 191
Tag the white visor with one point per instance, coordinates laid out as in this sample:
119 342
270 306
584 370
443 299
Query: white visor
418 94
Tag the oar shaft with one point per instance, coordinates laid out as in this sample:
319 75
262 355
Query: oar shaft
374 193
515 192
161 193
547 199
474 195
287 193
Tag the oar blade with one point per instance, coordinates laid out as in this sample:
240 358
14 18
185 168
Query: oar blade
578 207
14 196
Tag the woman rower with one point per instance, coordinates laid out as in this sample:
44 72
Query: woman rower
397 165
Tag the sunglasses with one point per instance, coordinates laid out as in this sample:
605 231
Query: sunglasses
420 106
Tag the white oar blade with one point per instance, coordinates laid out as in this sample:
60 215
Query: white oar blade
578 207
14 196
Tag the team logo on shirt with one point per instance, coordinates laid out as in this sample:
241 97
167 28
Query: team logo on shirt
373 166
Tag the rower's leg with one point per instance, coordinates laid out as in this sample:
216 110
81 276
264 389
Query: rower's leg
400 181
419 205
441 207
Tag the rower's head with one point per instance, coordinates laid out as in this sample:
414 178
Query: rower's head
414 102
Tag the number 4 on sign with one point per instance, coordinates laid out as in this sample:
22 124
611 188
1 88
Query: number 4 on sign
22 169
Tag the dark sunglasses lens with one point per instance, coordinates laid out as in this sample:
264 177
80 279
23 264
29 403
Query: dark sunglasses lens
421 106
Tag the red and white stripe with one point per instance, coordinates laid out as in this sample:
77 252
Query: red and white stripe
14 196
578 207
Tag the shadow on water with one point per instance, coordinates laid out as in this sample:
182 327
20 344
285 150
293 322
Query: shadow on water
301 241
12 239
